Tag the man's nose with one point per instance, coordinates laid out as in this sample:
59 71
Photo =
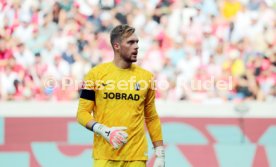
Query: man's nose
136 46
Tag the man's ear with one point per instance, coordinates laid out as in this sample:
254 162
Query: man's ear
116 45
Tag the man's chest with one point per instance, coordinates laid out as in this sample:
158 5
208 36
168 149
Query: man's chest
128 88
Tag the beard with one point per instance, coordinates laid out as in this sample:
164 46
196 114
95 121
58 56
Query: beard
130 58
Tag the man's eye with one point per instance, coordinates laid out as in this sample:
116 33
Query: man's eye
132 42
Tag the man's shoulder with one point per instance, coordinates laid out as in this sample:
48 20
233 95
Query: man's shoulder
100 67
143 70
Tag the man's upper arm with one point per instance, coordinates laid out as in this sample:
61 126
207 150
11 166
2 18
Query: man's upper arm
150 109
87 99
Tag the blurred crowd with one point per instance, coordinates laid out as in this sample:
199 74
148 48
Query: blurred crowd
199 50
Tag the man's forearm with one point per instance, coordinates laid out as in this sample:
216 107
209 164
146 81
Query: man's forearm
89 124
154 127
84 111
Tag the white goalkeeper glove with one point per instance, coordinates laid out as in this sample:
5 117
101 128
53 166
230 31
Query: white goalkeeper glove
116 136
160 157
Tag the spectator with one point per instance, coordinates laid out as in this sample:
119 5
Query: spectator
8 80
24 56
243 91
5 53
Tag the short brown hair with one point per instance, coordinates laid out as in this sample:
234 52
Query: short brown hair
120 32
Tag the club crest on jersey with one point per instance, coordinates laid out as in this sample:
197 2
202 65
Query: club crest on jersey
137 86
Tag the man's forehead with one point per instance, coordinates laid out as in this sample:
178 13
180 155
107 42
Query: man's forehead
132 37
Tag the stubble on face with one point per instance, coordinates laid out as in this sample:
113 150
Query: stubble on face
129 48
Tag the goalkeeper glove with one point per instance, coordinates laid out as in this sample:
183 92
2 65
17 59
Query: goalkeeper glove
116 136
160 157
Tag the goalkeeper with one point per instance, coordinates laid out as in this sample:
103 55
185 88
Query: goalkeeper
117 99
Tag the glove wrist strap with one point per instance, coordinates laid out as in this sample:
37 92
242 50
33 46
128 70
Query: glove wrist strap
98 128
92 127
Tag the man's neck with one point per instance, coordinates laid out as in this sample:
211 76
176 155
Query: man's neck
120 63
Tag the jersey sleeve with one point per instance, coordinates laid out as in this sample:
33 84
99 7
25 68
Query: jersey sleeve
151 117
87 99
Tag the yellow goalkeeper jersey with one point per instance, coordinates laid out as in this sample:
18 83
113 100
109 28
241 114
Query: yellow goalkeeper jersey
120 97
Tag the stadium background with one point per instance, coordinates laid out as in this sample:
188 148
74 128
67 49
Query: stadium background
47 46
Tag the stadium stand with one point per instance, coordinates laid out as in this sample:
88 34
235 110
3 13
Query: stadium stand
46 47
